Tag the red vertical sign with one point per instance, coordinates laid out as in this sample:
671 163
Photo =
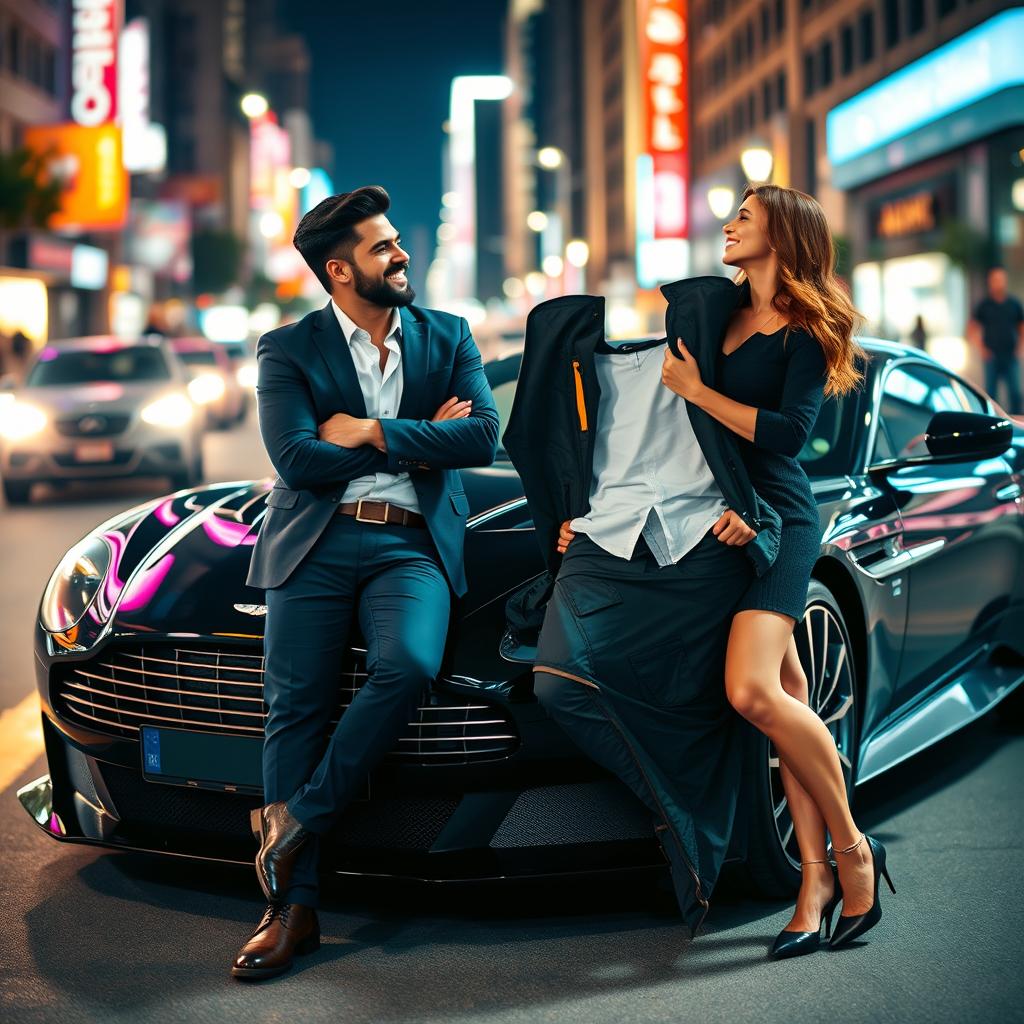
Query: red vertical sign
662 33
95 27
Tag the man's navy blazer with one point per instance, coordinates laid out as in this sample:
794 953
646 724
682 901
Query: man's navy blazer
306 375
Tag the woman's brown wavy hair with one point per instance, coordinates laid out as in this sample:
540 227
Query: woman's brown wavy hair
810 296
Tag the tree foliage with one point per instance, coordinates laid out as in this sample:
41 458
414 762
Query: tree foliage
29 197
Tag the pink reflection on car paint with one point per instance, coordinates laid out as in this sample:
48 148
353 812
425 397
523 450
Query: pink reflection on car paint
226 533
145 585
106 345
48 354
165 513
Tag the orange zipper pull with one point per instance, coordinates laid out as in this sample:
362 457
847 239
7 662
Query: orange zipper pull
581 407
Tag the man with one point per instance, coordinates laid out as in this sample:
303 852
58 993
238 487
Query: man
648 500
367 518
997 330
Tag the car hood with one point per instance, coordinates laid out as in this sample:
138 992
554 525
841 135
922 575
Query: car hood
179 563
105 397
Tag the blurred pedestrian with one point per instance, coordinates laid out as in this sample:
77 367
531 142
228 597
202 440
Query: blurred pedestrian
153 326
21 349
918 335
997 331
20 346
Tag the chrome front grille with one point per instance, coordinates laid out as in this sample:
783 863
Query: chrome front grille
93 424
220 690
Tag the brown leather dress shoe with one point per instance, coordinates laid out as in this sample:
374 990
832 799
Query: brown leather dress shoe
280 837
285 931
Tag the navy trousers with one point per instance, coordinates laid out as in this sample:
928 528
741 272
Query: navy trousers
391 577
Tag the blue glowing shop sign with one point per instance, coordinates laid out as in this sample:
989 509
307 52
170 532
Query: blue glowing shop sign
974 71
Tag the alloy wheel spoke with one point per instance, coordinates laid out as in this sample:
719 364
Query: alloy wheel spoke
844 709
789 834
836 676
824 649
810 646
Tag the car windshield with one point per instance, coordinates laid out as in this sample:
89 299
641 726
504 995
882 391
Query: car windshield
198 358
828 450
82 366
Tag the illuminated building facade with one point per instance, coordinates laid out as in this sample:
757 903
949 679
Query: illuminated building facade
909 220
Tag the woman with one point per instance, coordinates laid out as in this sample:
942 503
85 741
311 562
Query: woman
787 345
786 348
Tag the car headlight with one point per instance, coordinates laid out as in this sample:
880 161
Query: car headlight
206 388
169 411
246 375
19 420
74 585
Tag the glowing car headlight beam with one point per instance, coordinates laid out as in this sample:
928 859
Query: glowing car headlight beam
206 388
169 411
20 420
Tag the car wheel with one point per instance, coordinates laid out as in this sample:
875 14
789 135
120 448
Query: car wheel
823 640
16 492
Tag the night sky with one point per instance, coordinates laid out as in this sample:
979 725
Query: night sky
379 93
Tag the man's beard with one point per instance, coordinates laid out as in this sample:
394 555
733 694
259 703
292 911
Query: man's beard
382 293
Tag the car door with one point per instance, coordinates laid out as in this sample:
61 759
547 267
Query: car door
960 527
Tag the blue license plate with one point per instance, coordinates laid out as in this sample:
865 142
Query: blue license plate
203 760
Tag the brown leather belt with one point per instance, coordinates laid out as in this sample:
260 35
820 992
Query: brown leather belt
381 512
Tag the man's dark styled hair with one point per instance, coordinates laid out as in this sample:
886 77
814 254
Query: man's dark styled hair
328 231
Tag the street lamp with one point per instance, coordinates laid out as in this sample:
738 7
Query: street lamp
461 176
756 161
535 283
550 157
254 105
577 255
271 224
513 288
537 220
721 199
577 252
552 266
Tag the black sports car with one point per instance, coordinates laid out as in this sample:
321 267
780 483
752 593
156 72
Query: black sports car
150 671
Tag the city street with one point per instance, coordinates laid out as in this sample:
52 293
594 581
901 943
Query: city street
92 935
747 270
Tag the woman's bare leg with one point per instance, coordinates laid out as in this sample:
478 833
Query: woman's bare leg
758 642
816 882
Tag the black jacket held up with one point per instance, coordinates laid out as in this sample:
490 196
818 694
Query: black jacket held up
550 435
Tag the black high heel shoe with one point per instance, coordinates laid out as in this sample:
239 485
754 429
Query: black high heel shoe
788 943
850 928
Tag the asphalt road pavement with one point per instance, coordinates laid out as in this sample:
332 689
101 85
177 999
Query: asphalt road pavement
90 935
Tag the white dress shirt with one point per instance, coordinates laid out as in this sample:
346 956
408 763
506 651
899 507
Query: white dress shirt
382 394
650 475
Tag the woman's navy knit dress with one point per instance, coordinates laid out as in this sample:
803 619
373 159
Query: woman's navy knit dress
783 377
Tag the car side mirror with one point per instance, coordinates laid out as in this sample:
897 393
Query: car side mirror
960 436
